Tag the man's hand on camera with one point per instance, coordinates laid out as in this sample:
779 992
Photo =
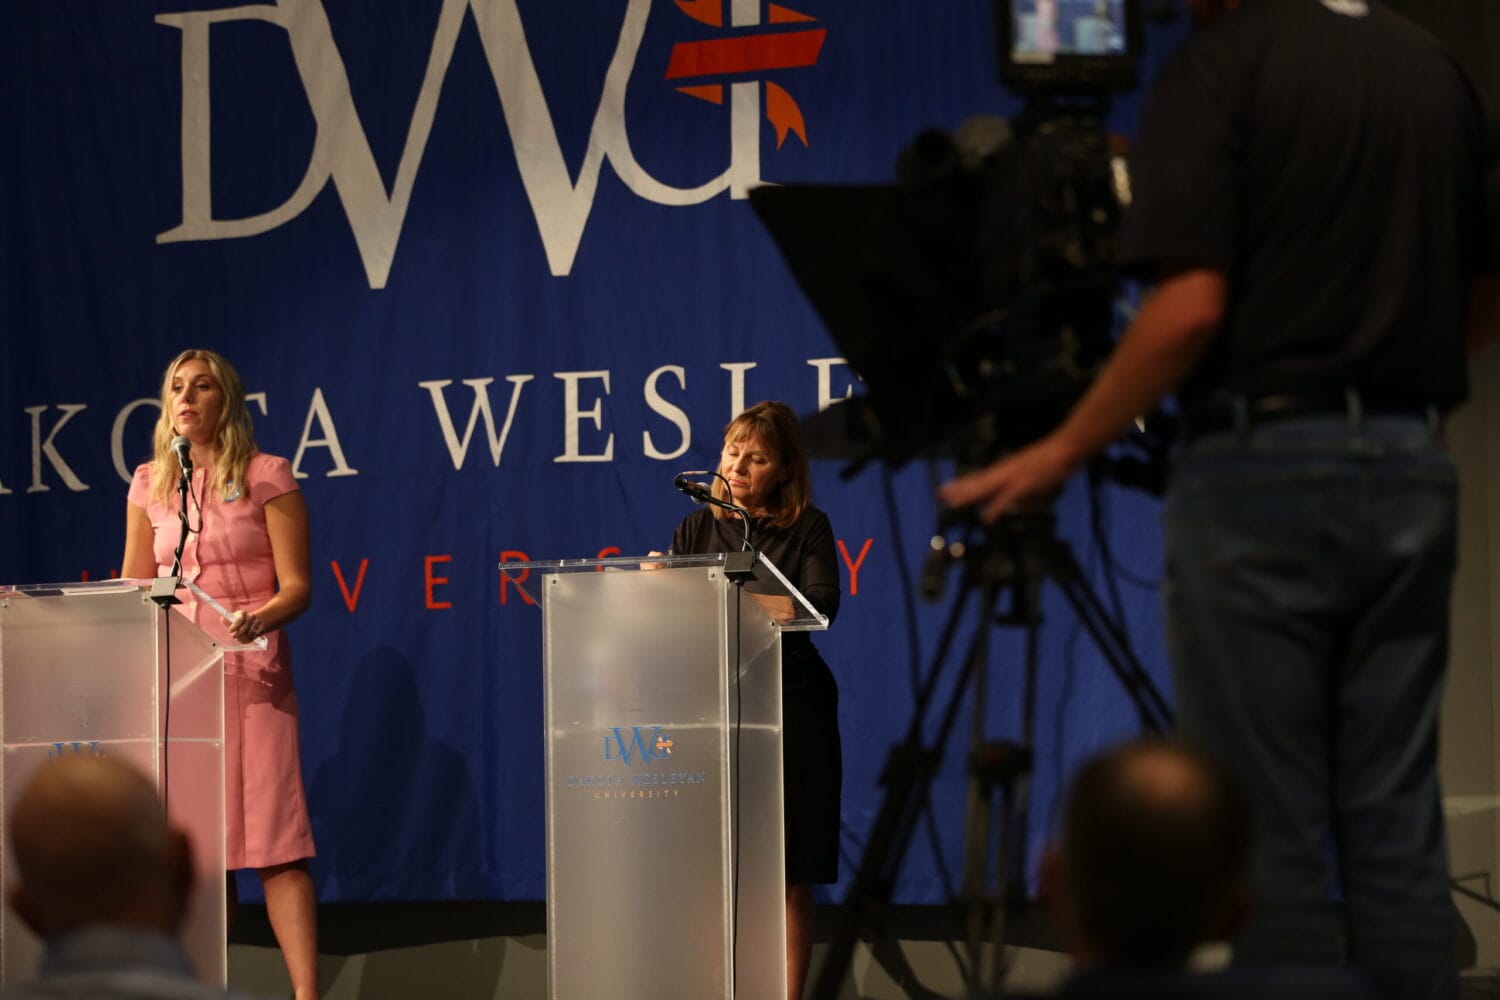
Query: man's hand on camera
1021 482
1171 332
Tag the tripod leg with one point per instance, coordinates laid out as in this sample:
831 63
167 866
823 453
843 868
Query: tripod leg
907 776
1015 785
1109 636
978 901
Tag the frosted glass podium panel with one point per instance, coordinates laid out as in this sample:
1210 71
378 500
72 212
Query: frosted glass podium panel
85 668
665 854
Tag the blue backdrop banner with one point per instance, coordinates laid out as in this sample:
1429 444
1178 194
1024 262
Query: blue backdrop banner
489 270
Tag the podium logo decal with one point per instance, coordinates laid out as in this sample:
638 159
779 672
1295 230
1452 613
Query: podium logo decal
657 784
74 748
629 745
637 747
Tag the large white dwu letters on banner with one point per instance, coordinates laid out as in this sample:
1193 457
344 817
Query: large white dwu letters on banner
341 151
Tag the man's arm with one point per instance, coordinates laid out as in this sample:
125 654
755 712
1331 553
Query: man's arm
1170 334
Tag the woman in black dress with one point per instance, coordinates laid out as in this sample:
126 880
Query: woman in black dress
766 472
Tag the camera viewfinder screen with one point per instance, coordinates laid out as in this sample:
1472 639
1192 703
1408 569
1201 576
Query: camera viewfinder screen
1042 30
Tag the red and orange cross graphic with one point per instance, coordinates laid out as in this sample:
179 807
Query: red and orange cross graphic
748 53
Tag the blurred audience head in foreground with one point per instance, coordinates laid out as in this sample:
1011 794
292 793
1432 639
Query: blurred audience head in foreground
93 847
1153 858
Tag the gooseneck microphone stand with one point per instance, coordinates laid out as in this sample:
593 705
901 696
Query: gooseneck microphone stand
164 593
183 487
739 568
164 588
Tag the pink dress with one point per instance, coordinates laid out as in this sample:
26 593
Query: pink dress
265 808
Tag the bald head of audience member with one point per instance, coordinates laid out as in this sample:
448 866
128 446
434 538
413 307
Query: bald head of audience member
92 847
1153 858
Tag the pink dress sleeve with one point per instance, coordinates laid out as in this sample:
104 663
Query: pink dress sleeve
140 486
162 514
270 477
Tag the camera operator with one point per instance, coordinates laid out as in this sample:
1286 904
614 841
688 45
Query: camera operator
1315 198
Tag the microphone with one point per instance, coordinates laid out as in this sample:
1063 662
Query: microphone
701 493
183 447
697 492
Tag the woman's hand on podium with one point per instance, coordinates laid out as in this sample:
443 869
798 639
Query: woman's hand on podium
778 606
245 626
653 565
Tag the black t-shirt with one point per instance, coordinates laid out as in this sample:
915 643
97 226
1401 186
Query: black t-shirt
806 555
1336 168
804 552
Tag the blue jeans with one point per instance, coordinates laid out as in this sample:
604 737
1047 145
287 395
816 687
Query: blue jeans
1309 569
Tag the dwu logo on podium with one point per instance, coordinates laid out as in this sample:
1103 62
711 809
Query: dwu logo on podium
636 747
74 748
618 746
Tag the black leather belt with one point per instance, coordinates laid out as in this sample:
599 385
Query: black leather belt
1237 413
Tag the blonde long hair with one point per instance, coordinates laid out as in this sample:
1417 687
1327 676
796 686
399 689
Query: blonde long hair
234 438
775 424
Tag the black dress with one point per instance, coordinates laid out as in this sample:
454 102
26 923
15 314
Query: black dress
813 764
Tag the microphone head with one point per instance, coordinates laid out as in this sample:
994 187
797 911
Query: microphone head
697 492
182 447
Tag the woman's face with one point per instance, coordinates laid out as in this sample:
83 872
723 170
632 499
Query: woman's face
196 401
754 475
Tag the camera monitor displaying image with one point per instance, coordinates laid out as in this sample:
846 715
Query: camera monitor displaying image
1068 45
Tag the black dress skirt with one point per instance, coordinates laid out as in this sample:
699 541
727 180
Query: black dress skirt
812 768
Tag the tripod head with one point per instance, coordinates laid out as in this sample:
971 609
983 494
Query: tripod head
1016 552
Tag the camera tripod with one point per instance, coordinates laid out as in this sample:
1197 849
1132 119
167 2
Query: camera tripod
1016 555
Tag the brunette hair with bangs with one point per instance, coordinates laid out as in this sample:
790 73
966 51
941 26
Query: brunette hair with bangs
775 425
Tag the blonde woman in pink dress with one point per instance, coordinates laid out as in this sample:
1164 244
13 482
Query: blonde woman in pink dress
249 550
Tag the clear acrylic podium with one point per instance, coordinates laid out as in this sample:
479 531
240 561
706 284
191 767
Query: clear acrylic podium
85 668
665 853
